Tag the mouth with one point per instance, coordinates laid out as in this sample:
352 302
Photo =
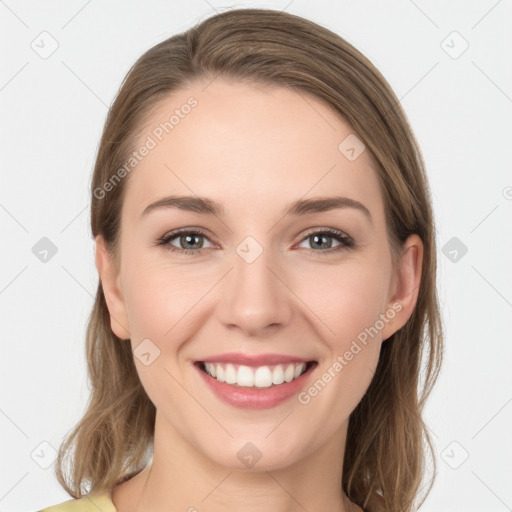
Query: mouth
255 387
254 381
256 377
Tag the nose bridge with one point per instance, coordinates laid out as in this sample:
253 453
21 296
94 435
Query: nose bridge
253 296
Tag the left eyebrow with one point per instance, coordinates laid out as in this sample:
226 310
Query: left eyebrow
196 204
206 206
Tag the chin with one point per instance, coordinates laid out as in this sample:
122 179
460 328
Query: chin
260 454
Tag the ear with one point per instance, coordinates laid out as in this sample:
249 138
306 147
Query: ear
113 295
404 288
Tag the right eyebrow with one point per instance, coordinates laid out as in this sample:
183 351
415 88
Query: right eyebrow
322 204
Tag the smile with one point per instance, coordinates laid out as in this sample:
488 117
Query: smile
255 387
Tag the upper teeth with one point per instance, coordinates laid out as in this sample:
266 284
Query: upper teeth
260 377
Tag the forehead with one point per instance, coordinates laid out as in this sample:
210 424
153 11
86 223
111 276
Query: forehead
249 148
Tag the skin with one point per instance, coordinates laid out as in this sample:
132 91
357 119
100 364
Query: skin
254 150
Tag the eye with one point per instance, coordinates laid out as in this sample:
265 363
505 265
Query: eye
190 241
321 240
187 238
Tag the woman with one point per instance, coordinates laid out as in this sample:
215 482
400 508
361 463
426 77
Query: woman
276 364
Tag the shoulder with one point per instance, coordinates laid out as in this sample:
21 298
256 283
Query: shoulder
90 503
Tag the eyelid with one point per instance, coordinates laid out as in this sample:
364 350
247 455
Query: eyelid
331 231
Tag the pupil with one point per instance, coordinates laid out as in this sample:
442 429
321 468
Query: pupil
187 238
316 237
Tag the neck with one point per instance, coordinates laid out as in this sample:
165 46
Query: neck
181 476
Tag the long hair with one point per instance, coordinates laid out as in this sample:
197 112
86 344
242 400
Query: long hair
387 441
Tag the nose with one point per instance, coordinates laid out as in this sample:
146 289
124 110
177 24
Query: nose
254 296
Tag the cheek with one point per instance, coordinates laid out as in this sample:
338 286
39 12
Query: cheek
159 309
160 302
344 299
347 310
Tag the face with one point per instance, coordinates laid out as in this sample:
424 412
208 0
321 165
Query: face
312 285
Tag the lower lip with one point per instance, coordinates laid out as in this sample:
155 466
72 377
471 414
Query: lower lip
255 398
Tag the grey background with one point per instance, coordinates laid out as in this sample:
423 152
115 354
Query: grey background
53 107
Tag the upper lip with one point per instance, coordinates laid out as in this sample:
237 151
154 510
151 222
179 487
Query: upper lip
254 360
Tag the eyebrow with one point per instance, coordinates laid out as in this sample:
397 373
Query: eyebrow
205 206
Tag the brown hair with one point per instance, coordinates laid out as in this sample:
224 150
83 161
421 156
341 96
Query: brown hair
385 457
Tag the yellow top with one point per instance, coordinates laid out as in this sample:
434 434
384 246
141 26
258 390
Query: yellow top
96 502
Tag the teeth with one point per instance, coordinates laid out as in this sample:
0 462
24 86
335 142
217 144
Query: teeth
210 368
278 375
230 374
289 373
260 377
245 377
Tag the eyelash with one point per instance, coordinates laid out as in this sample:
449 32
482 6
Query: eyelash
346 242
